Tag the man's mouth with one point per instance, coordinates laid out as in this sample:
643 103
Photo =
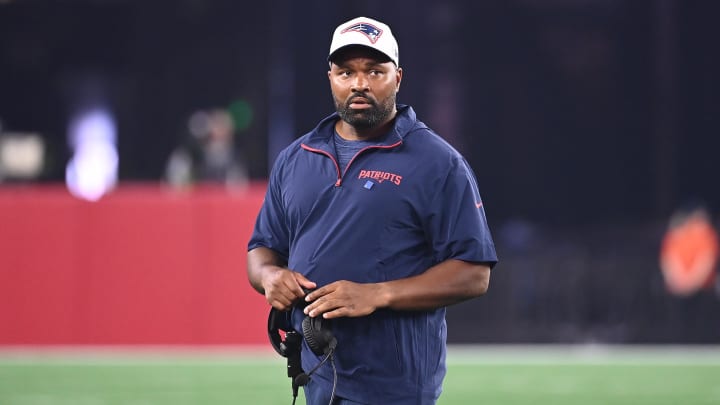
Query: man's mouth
359 103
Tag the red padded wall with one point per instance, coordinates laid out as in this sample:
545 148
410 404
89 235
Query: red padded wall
144 265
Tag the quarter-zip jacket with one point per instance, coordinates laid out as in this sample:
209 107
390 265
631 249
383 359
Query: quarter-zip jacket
399 207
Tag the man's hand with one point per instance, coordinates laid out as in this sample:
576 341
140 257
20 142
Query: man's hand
444 284
268 274
345 299
283 287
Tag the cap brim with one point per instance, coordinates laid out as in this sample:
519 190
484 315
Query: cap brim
376 54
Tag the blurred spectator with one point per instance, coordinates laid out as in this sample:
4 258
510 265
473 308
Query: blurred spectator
208 154
689 251
22 155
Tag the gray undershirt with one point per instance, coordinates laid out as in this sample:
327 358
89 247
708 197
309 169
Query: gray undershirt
345 150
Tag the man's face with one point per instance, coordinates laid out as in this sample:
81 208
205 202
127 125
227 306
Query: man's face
364 88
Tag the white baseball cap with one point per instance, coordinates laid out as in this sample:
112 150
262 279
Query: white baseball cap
367 32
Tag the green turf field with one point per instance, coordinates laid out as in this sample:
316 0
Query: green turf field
480 375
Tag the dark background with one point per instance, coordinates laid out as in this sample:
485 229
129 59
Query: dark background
587 122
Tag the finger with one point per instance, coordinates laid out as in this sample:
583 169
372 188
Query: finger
304 282
316 308
321 292
336 313
281 304
294 290
282 297
322 305
285 294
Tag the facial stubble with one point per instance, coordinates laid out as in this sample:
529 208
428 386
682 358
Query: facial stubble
367 118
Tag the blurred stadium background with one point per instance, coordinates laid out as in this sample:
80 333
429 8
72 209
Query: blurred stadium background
135 139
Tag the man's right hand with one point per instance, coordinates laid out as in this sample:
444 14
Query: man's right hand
284 287
269 275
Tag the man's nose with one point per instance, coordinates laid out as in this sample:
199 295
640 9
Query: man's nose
361 84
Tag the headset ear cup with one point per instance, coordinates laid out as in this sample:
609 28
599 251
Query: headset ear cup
318 335
277 321
274 326
311 337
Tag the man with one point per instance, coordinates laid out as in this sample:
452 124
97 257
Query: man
383 219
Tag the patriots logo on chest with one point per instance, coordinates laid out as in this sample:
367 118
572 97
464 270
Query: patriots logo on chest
372 32
380 176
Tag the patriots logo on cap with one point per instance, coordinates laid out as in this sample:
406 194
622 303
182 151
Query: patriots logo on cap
372 32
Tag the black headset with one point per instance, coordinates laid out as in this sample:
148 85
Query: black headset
287 342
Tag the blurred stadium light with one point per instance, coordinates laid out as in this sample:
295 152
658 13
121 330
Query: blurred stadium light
93 169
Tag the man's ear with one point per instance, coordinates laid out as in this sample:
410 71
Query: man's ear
398 78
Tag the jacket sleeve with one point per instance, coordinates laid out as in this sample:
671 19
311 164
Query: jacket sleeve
271 230
456 226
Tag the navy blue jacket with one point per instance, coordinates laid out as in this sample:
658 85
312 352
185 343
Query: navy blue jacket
396 210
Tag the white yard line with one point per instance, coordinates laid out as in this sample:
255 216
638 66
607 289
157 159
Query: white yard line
584 354
457 354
